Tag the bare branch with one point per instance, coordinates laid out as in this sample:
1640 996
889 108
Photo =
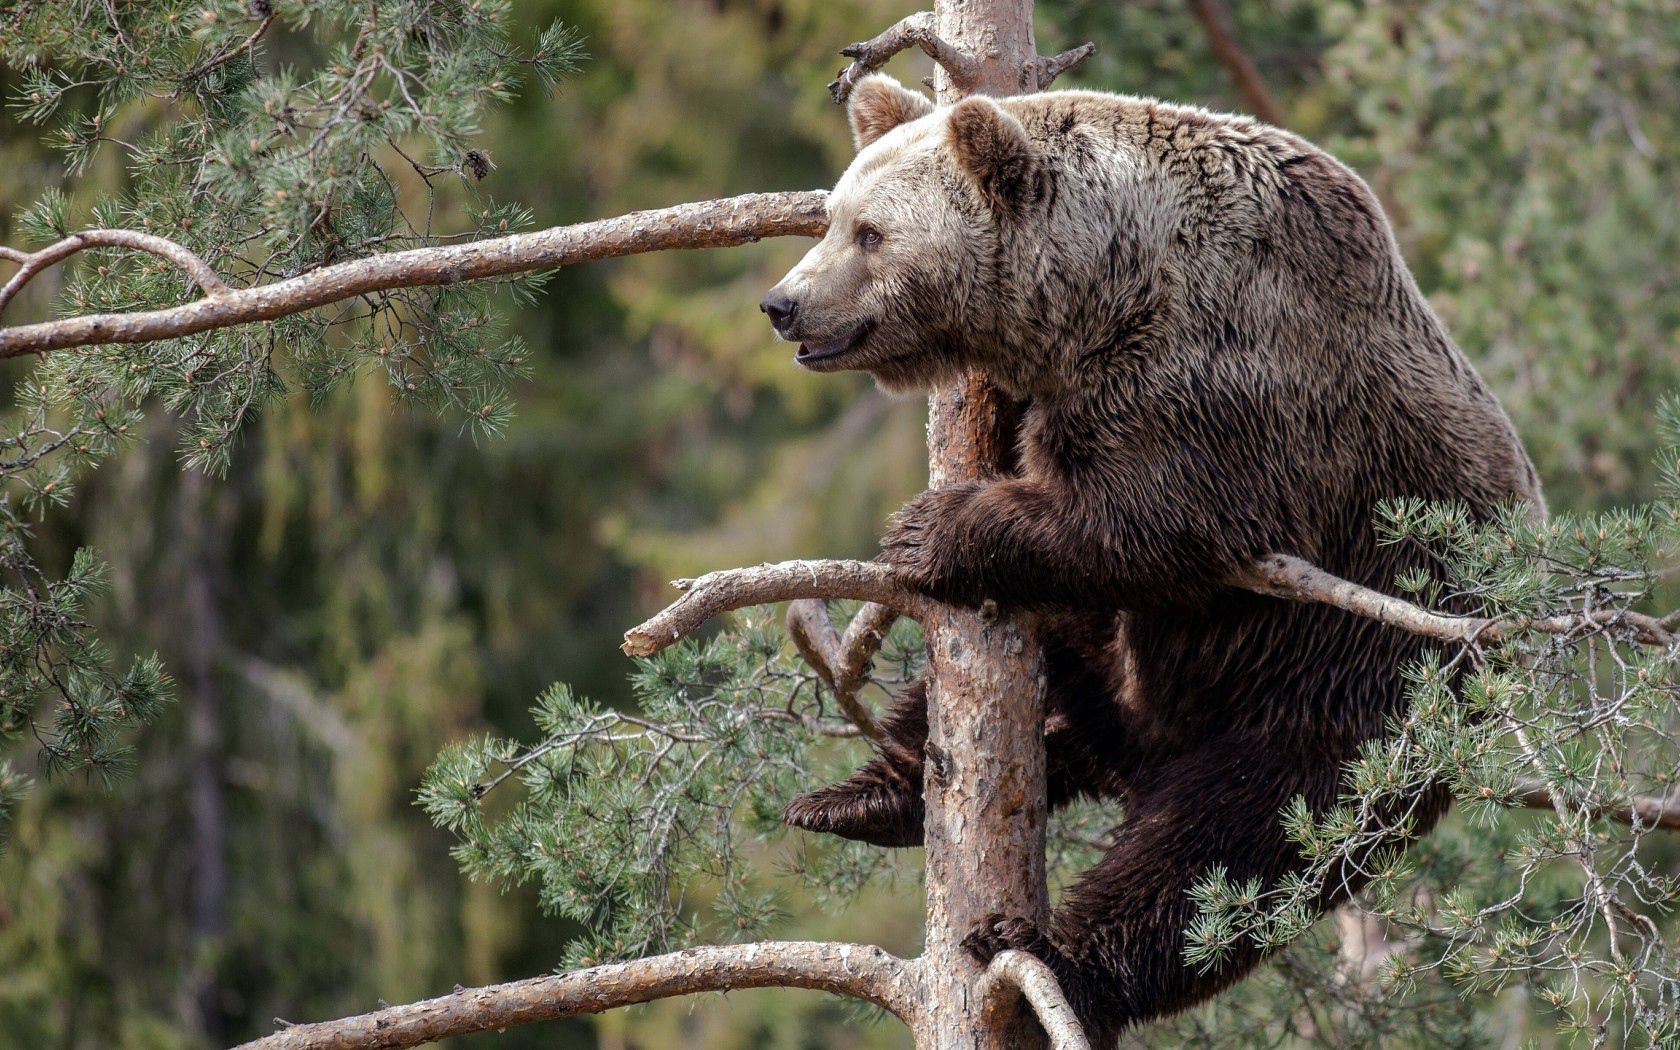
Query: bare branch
843 663
1649 811
1216 23
34 262
1283 576
917 30
1277 575
1018 973
705 224
857 970
1041 72
862 640
729 589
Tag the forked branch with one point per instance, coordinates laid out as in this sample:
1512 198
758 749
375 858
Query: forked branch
1042 71
842 661
921 30
856 970
704 224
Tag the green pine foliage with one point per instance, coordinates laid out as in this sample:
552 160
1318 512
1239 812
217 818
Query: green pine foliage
1570 903
646 828
263 178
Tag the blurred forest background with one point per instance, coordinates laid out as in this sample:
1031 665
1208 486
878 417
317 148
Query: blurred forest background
366 582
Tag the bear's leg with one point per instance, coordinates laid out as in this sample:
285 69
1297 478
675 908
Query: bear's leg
881 803
1117 941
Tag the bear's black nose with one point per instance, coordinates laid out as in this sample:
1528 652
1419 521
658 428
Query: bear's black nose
780 308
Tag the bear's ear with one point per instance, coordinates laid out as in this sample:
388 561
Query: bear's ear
878 103
992 147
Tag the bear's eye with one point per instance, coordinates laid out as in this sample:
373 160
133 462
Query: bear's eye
868 238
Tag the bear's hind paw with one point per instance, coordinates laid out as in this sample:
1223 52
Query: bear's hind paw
877 815
998 932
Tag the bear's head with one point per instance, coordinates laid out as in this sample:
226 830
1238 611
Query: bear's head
908 282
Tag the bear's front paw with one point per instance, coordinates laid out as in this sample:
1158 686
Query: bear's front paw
998 932
923 542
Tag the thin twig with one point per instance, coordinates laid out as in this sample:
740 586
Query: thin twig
33 263
857 970
917 30
705 224
228 56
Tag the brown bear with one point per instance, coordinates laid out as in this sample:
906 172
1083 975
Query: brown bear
1223 356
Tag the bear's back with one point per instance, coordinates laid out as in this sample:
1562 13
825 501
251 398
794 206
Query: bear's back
1292 349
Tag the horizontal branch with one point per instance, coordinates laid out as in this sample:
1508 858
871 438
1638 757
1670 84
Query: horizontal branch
856 970
705 224
1017 972
730 589
1276 575
1283 576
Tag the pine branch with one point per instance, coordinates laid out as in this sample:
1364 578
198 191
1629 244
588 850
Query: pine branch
1647 810
32 263
705 224
857 970
1277 575
1283 576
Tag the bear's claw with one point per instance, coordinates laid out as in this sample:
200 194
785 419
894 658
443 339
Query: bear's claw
998 932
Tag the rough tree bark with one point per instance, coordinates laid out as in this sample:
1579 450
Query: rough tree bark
984 785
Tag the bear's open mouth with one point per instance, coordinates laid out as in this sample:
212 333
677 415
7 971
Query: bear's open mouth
812 352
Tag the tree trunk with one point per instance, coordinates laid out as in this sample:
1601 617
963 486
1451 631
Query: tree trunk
985 769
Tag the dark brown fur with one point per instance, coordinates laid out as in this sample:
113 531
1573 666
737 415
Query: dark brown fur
1225 356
